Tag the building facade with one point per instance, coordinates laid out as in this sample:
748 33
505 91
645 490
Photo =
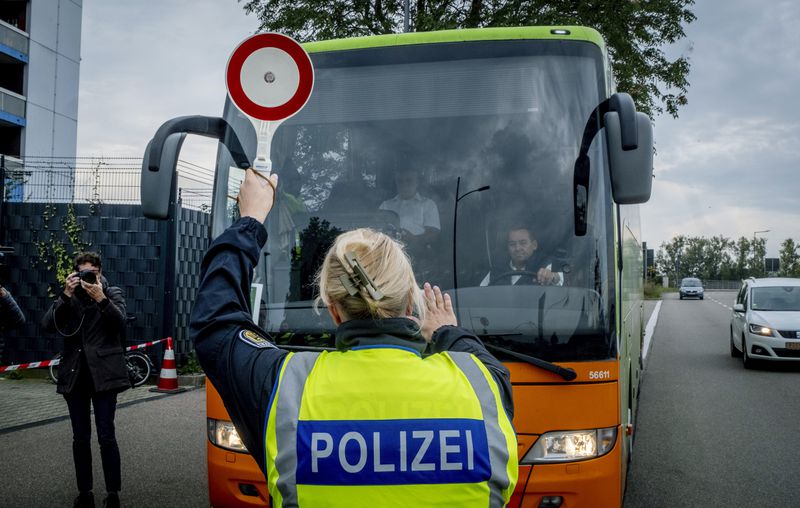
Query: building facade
40 42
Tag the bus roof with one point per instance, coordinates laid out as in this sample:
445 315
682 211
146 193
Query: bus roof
576 33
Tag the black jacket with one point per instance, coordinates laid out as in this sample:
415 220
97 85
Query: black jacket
243 365
93 330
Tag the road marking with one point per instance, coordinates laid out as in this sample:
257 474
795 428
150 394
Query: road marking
648 331
717 301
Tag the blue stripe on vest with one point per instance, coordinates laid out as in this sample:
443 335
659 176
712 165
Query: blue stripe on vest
392 452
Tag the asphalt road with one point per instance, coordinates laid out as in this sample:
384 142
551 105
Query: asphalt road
161 441
709 432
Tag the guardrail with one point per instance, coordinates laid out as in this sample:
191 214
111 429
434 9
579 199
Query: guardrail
12 103
14 39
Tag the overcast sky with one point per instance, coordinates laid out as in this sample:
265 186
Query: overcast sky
728 165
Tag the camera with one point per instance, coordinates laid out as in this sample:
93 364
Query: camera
88 276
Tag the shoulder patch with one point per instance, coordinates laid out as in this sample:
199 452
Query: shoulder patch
254 339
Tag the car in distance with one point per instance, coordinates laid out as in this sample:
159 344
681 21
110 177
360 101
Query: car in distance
691 287
765 322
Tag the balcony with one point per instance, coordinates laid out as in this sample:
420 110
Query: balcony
12 108
13 44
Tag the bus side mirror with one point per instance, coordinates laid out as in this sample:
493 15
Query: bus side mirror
631 167
161 156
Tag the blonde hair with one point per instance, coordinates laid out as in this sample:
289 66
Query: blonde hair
385 262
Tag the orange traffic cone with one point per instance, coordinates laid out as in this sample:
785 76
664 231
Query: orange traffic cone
168 379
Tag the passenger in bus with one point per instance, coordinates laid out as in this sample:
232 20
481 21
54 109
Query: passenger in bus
324 426
533 270
419 216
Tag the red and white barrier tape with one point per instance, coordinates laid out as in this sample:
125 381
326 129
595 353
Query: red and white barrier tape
48 363
145 344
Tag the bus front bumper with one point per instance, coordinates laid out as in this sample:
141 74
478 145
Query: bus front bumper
234 479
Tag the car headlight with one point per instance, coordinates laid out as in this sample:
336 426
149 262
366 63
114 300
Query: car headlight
761 330
222 433
571 445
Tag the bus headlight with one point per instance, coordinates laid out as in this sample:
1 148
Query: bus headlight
571 445
222 433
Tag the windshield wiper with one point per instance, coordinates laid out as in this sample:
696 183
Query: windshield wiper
567 374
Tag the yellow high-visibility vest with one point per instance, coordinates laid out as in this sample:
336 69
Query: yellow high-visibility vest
381 426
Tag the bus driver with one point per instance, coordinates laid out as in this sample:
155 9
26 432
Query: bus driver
522 245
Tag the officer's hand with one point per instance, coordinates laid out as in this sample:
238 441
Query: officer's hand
70 283
93 290
256 195
439 311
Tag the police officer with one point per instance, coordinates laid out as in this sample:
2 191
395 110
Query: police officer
409 411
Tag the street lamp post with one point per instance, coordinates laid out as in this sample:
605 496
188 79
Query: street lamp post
761 231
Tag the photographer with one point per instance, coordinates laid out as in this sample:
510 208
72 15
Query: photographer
90 316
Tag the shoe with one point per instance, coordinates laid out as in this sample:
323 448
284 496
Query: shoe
111 500
84 500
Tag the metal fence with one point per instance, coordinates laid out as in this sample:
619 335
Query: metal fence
97 180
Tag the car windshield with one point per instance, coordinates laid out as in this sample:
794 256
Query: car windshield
390 138
691 283
776 298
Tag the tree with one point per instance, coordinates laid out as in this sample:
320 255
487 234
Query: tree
717 258
757 262
789 259
635 31
742 251
668 259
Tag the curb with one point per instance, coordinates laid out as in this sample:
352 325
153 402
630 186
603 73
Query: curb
192 380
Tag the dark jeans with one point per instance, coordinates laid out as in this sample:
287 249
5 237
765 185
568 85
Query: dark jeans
105 405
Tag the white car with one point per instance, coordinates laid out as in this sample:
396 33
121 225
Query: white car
765 324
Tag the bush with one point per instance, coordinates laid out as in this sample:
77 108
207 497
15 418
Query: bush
192 366
654 291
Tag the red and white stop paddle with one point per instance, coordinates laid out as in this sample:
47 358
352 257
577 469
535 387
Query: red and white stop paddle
269 78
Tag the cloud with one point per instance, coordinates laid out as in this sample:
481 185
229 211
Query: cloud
139 68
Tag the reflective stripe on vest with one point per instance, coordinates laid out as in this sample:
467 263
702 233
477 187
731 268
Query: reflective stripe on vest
498 447
467 454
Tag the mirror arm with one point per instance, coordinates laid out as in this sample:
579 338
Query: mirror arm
213 127
621 103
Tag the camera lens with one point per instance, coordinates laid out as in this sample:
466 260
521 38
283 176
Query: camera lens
88 276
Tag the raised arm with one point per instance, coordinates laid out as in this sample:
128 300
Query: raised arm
233 351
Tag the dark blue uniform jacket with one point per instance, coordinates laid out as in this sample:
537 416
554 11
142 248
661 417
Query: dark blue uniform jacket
243 365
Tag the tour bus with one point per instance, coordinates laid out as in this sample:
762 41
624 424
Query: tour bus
503 128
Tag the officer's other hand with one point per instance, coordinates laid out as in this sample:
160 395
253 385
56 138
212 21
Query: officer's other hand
439 311
70 283
95 291
256 195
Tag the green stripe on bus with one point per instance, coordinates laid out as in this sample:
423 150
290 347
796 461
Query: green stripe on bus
577 33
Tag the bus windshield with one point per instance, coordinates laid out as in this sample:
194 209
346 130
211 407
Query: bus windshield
396 139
